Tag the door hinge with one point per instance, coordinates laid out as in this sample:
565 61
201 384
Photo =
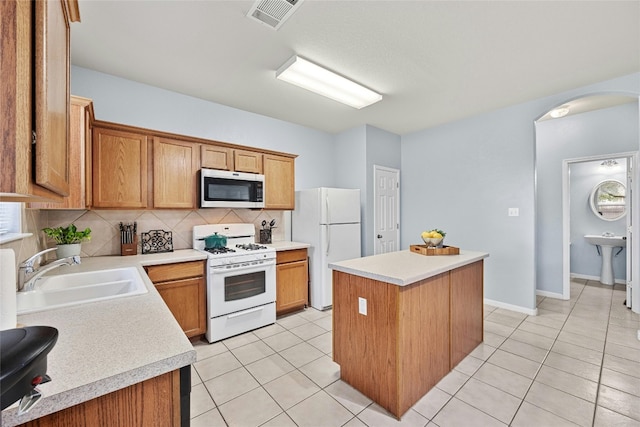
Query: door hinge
33 137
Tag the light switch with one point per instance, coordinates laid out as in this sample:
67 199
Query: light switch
514 212
362 306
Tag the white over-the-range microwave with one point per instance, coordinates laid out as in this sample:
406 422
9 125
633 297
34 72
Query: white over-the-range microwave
226 189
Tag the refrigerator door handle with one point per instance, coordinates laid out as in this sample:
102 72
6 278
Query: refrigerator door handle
326 200
326 228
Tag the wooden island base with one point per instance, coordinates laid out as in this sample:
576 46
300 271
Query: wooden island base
411 335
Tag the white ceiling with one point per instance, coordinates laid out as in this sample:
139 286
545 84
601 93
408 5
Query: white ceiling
434 61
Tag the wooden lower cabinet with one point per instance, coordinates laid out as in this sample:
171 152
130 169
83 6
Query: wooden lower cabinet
467 310
183 287
410 337
292 280
154 402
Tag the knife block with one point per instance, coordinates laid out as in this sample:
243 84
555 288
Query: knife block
130 248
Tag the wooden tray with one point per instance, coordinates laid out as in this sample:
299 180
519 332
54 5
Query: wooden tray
425 250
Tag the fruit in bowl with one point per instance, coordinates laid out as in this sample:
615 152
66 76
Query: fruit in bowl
433 238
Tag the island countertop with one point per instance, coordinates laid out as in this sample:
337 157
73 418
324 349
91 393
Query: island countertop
105 346
405 267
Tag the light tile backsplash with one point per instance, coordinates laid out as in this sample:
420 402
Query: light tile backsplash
32 222
105 233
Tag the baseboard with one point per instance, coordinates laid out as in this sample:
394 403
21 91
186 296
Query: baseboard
549 294
512 307
595 278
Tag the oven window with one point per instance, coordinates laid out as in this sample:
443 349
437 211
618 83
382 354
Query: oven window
244 286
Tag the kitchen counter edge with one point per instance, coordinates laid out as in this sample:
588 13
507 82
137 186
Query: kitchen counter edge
111 344
403 268
286 245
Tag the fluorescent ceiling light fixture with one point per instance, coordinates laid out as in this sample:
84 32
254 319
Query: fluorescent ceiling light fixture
562 111
307 75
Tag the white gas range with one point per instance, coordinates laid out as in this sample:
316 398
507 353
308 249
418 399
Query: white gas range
241 281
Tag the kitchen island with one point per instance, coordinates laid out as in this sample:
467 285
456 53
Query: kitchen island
402 321
128 354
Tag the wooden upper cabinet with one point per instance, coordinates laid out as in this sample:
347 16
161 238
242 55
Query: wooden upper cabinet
35 98
52 96
175 173
79 158
279 177
215 157
119 169
247 161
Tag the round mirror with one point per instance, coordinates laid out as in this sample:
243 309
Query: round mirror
608 200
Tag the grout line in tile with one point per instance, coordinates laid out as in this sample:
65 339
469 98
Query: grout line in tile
576 305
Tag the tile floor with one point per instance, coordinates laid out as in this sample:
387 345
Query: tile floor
576 363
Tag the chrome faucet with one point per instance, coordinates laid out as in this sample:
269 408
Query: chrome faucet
28 274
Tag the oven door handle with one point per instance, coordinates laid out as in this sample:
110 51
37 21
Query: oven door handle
242 313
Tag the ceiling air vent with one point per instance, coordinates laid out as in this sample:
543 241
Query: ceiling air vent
273 13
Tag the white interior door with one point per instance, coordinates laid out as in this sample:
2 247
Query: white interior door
386 216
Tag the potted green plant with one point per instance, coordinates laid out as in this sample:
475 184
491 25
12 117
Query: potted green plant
68 239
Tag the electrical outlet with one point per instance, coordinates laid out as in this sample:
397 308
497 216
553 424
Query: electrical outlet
514 212
362 306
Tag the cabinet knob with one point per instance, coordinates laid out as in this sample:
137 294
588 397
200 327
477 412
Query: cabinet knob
379 236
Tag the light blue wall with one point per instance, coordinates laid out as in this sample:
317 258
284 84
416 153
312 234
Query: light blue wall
462 177
600 132
350 167
124 101
357 150
383 149
585 260
349 161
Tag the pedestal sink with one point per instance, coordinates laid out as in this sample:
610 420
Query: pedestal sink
607 243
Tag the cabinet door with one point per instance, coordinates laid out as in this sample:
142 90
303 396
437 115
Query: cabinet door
186 300
175 173
119 169
176 271
51 96
292 290
279 177
79 158
467 298
247 161
157 398
215 157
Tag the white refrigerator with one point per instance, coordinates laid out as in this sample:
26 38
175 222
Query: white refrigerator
329 220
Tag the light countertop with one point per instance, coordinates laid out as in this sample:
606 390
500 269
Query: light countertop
106 346
405 267
286 245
